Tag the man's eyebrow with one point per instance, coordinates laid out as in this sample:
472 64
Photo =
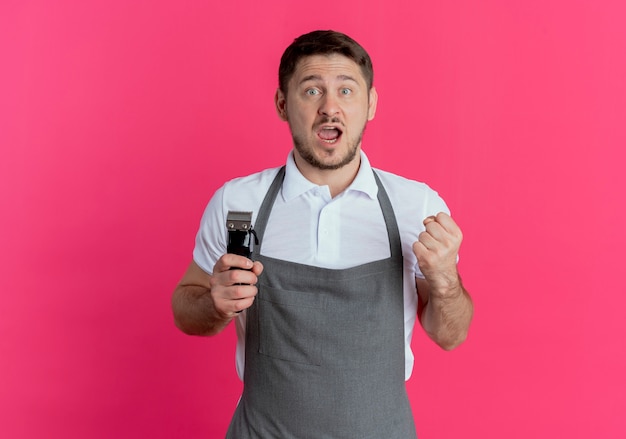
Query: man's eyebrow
311 78
347 78
319 78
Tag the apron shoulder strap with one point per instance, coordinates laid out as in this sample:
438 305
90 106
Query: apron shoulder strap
266 208
390 219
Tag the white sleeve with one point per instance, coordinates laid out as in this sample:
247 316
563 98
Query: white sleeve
211 239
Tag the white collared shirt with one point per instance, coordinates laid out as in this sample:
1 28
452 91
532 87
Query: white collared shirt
310 227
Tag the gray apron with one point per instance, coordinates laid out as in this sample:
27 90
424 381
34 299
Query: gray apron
325 348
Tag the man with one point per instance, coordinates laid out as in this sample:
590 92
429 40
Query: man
325 306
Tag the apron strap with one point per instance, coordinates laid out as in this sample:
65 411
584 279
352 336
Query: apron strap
390 219
266 208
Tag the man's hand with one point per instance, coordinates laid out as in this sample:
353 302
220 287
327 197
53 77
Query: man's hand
446 308
204 304
233 284
437 250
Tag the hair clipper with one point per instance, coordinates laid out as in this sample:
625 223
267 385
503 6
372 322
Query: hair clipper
240 233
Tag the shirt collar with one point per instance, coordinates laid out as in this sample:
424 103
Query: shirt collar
295 184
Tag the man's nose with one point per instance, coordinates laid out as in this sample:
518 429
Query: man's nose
329 106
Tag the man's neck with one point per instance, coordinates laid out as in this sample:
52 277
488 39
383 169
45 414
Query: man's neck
337 180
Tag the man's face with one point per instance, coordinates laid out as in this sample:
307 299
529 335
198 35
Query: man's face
327 107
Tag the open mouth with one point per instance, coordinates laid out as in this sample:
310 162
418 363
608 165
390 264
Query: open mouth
329 134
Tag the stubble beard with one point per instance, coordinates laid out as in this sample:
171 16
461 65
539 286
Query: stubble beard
309 157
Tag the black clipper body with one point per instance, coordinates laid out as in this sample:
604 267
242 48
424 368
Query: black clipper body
240 233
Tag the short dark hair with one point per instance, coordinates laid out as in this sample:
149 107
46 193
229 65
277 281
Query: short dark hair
323 42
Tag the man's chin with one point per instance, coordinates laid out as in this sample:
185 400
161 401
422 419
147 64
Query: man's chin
329 163
328 159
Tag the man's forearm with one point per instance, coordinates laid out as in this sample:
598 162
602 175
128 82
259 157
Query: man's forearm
194 312
447 317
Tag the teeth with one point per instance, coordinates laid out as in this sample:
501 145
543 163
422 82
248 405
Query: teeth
328 129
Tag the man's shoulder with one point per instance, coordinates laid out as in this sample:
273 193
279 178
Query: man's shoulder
257 181
244 193
398 183
411 198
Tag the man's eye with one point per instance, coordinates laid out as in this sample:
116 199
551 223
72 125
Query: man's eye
346 91
312 92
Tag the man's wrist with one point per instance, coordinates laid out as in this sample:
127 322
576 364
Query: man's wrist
446 287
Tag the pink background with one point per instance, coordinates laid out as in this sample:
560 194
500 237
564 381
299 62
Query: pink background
118 120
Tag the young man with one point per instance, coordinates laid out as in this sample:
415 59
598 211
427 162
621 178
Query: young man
326 304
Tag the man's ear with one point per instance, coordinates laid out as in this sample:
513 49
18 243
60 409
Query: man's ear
373 102
281 104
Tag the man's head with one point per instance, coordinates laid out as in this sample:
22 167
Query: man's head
326 96
323 42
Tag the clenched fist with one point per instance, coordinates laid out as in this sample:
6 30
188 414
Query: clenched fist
436 250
